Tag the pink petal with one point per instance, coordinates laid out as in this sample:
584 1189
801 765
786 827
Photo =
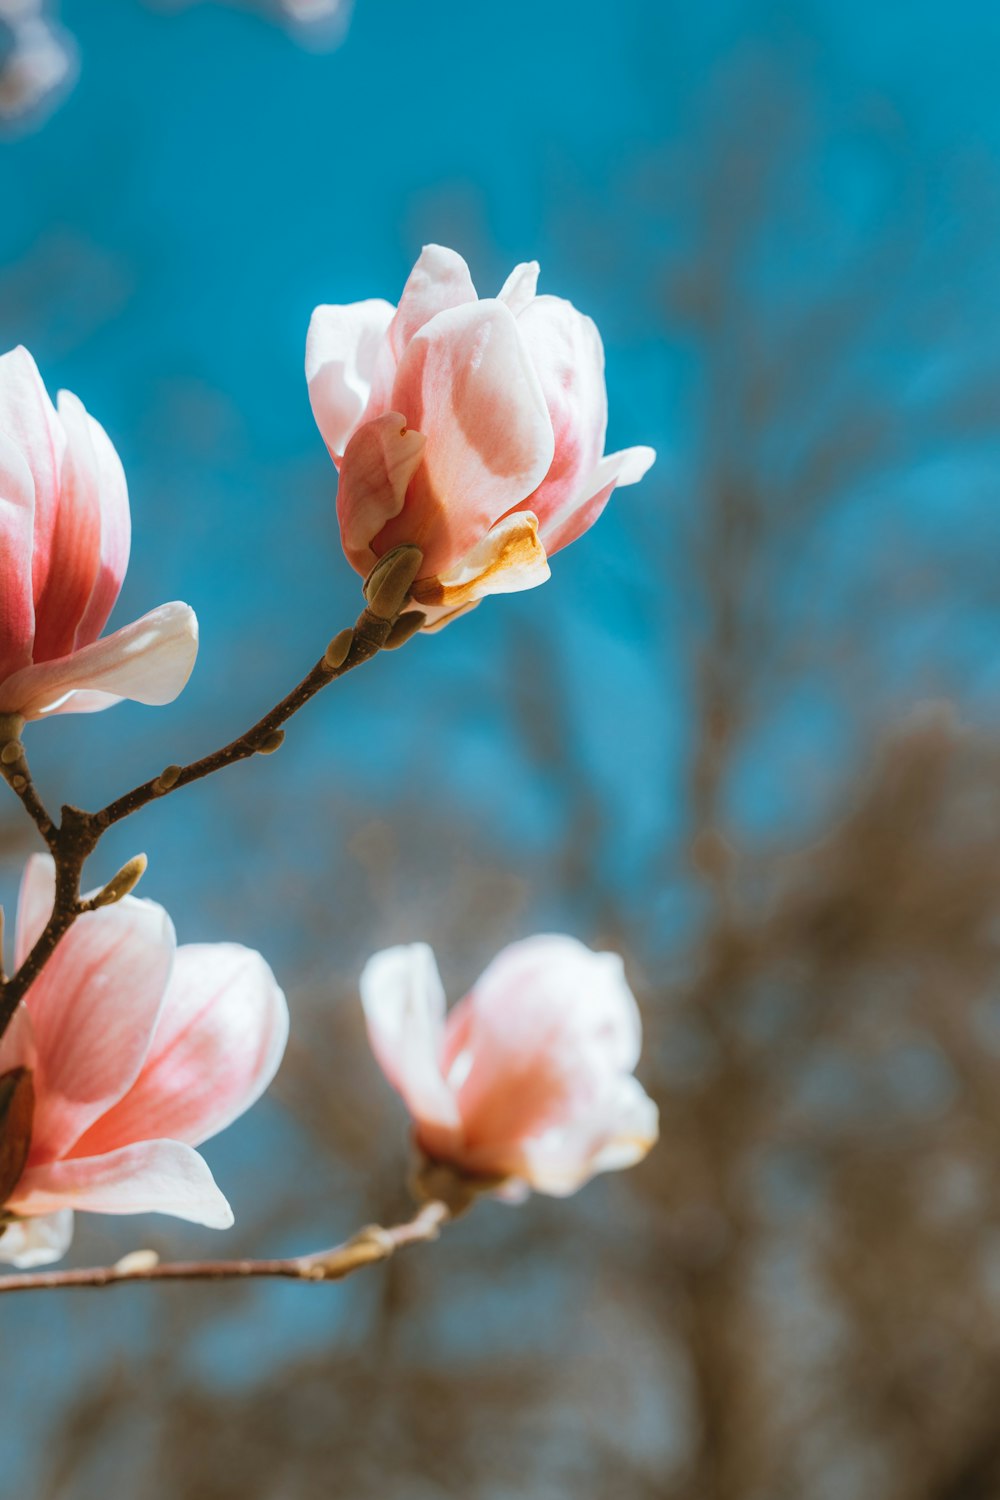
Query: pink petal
581 510
439 280
551 1023
508 559
116 524
617 1134
17 1045
378 464
37 1241
34 903
75 547
404 1010
94 1009
163 1177
519 288
466 381
566 350
342 349
17 516
148 661
217 1045
28 419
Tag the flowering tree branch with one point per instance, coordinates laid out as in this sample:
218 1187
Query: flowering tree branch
366 1248
379 625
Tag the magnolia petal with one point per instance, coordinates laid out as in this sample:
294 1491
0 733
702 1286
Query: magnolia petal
404 1007
551 1024
378 464
37 1241
94 1009
566 350
508 559
219 1039
519 288
116 525
467 383
17 517
28 420
165 1177
440 280
17 1045
617 1136
34 903
148 661
75 548
342 349
579 513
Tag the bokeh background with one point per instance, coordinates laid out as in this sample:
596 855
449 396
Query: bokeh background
748 734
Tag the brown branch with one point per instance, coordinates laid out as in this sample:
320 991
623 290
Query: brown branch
366 1248
369 635
15 771
379 625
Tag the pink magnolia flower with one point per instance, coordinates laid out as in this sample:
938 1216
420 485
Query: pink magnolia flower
64 546
138 1051
530 1076
470 427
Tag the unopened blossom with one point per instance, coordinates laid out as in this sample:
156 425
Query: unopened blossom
472 428
126 1053
529 1079
65 534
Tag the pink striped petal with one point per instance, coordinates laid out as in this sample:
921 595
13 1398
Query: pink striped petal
217 1045
75 548
440 280
378 464
17 516
519 288
94 1009
342 350
148 661
551 1022
17 1045
165 1177
466 381
37 1241
116 523
404 1008
34 903
580 511
567 352
28 419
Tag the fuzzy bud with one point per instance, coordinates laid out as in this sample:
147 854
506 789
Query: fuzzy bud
123 883
389 582
339 648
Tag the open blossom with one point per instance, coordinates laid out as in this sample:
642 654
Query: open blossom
64 545
529 1078
472 428
126 1053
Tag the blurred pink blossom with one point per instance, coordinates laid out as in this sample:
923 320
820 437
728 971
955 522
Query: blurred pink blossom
138 1051
65 535
529 1079
471 427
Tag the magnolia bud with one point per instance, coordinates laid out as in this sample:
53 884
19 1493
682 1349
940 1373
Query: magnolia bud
403 628
123 883
337 652
271 742
168 777
389 582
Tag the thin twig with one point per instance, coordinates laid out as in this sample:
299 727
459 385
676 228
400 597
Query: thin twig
78 833
365 1248
369 636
